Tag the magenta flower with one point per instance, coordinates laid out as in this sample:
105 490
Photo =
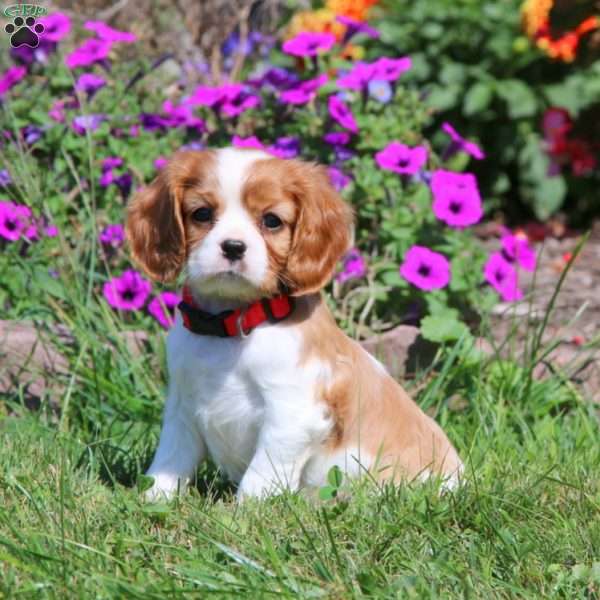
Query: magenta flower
358 77
456 199
502 276
15 220
309 44
340 113
10 78
425 269
90 52
337 138
160 163
205 95
516 248
112 235
51 230
401 159
460 143
249 142
56 27
338 178
390 69
162 308
303 92
353 266
84 123
234 104
104 32
353 27
181 116
127 292
89 83
111 162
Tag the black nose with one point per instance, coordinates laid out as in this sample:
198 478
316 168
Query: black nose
233 249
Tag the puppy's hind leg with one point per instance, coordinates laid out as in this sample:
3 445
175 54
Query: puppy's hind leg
180 450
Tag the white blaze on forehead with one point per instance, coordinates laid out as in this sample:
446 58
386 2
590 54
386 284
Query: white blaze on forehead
233 168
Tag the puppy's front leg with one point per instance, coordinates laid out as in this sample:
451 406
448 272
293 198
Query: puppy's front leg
284 445
180 450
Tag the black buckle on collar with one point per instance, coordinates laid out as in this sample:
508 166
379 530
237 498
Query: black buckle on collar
205 323
270 316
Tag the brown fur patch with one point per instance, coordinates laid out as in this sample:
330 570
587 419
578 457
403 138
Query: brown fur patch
158 226
371 410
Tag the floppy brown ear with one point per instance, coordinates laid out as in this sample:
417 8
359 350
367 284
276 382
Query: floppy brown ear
155 230
322 232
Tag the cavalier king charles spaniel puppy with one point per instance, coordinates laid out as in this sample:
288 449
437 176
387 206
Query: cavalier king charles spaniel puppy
261 379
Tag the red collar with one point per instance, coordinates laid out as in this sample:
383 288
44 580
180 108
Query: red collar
231 323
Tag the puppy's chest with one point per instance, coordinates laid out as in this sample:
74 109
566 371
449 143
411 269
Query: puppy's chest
225 384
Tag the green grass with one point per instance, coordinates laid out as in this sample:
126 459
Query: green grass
527 523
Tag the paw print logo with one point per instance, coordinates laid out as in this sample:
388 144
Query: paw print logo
24 32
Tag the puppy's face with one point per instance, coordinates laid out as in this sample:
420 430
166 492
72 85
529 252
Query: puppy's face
241 223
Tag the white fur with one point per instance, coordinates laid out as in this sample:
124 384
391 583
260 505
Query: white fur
245 403
206 264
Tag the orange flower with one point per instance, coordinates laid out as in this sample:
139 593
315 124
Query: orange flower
355 9
536 22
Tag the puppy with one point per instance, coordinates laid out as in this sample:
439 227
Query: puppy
261 379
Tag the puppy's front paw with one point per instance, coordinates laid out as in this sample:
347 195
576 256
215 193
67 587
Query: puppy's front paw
254 487
164 488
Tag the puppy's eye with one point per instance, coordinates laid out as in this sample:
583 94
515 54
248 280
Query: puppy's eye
203 214
272 221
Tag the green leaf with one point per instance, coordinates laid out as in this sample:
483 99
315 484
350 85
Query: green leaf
392 278
328 492
144 482
335 476
477 98
441 329
443 97
518 96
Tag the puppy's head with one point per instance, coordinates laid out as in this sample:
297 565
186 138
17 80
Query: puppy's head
242 224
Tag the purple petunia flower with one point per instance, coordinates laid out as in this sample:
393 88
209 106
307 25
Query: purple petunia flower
249 142
15 220
380 90
502 276
10 78
353 266
342 154
304 92
112 236
516 248
90 52
127 292
338 178
353 27
162 308
456 199
358 77
31 134
340 113
124 183
84 123
460 143
236 103
5 178
308 44
108 34
390 69
275 77
337 138
89 83
205 95
285 147
56 27
425 269
401 159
